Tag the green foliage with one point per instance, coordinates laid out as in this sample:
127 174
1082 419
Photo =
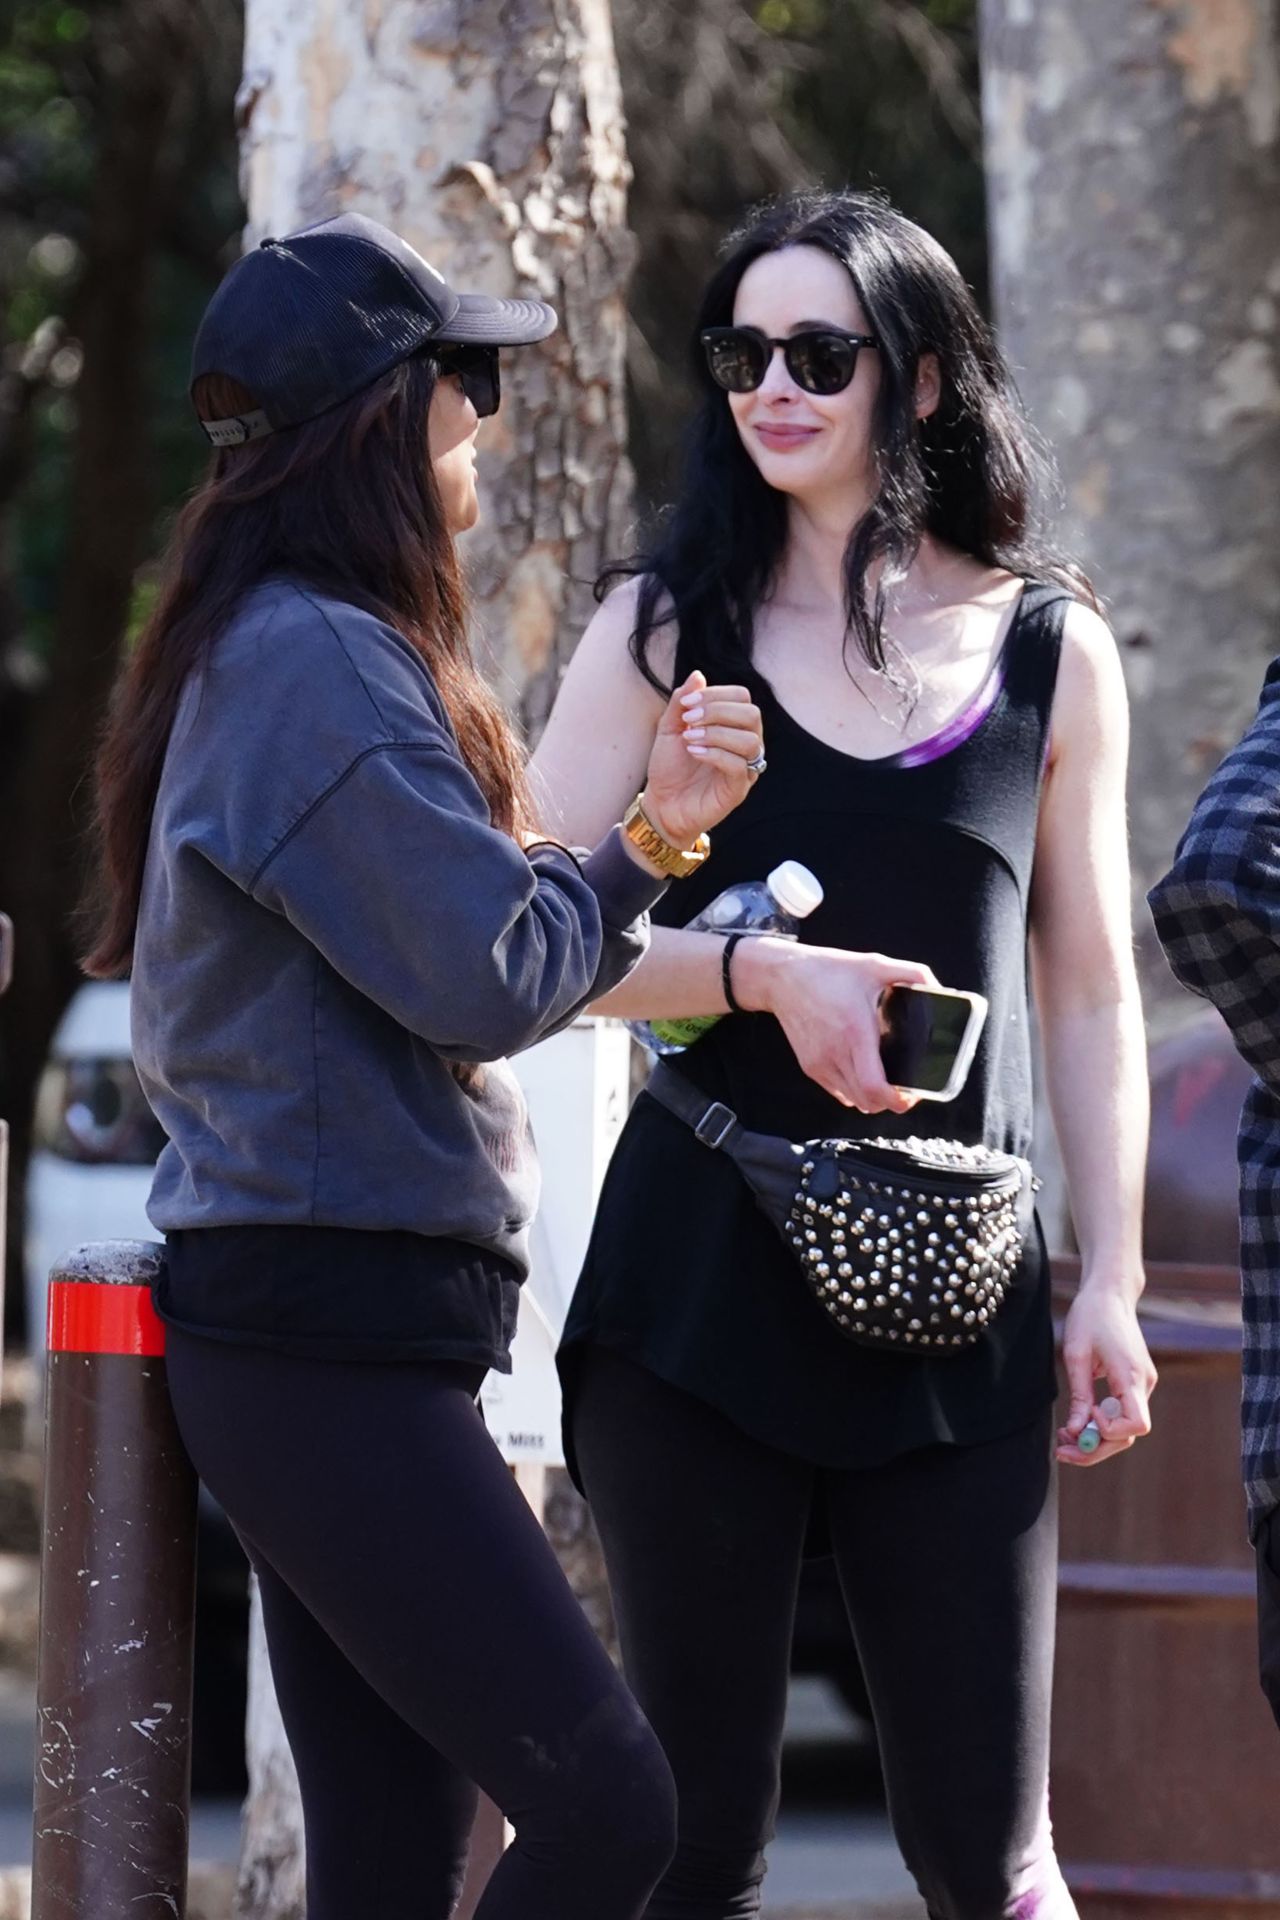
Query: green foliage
952 15
39 524
54 86
798 19
72 24
146 591
46 152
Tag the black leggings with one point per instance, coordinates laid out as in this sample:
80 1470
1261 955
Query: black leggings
422 1638
947 1558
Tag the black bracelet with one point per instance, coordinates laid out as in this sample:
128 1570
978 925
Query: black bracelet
726 978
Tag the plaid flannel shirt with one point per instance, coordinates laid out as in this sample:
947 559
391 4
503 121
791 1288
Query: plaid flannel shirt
1217 915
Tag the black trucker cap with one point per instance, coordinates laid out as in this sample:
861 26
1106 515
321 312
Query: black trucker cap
306 321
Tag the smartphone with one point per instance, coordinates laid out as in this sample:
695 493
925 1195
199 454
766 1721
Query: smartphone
928 1037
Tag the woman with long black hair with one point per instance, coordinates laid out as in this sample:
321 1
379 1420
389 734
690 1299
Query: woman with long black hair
322 867
854 541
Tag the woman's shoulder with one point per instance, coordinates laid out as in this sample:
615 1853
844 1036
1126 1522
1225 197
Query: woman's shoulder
1046 612
1090 702
1052 642
1090 676
294 648
299 690
994 588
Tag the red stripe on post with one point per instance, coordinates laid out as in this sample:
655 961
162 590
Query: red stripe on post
88 1318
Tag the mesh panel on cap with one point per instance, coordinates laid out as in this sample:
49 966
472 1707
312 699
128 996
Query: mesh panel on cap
302 334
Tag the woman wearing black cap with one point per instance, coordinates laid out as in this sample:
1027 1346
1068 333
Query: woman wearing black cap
322 869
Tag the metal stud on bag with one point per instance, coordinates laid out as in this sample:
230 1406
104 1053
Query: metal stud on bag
916 1253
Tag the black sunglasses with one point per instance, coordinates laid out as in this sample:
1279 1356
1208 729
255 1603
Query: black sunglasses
477 369
819 359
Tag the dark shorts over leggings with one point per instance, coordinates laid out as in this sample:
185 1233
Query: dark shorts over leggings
422 1638
948 1561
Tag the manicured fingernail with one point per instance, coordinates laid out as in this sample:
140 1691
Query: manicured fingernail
691 698
698 750
694 733
693 713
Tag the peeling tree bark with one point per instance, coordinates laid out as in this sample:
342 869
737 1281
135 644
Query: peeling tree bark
1134 180
272 1880
488 133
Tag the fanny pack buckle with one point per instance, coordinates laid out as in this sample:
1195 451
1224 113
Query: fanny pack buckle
716 1124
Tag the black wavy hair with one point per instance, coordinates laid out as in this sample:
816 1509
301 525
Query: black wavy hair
973 474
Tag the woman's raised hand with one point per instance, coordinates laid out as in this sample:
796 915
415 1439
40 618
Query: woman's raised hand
698 769
827 1002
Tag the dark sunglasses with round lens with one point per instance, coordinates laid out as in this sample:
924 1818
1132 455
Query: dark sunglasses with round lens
819 359
477 369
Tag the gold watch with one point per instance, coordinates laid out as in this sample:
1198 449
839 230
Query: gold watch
677 861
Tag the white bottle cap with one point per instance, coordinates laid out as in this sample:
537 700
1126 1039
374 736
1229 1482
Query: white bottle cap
796 890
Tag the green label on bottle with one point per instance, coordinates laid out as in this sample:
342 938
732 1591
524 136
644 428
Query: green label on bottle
683 1033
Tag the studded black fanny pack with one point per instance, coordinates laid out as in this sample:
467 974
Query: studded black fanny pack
904 1243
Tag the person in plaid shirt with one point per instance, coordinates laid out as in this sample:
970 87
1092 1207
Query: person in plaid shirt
1217 915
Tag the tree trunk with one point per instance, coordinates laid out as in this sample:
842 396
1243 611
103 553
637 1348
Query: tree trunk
488 133
272 1875
1134 187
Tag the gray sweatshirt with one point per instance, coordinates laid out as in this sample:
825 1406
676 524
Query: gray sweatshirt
328 918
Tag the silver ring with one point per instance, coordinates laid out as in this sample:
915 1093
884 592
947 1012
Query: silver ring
757 765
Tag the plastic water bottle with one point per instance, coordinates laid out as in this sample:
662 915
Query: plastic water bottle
774 906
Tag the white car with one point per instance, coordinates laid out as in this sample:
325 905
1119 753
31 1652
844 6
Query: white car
95 1146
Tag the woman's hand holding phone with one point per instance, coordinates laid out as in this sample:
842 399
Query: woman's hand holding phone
929 1036
827 1002
698 769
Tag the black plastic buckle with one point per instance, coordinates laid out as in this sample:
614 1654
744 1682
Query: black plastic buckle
720 1118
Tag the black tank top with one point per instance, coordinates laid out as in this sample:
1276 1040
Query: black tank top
927 856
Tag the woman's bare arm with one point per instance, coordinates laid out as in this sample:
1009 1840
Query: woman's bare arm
1091 1025
590 762
588 767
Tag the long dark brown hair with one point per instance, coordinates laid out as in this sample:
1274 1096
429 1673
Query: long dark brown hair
347 503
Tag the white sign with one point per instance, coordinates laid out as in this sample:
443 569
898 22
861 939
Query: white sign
576 1085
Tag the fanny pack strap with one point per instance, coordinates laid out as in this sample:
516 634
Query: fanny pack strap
719 1126
711 1121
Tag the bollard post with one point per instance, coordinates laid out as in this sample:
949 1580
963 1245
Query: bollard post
117 1603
